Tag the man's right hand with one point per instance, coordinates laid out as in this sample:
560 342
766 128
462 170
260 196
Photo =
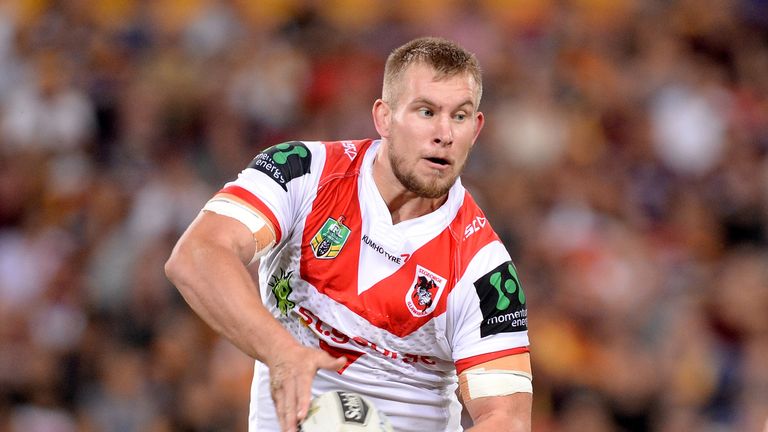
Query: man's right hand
208 267
291 371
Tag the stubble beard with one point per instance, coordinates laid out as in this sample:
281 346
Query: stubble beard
434 187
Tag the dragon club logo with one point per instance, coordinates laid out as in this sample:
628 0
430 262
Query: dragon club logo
426 289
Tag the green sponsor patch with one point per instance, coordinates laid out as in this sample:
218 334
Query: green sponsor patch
502 301
283 162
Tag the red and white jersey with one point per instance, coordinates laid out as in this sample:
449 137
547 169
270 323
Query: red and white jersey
408 304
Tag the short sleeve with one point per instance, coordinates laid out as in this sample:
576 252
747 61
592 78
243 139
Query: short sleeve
487 315
277 184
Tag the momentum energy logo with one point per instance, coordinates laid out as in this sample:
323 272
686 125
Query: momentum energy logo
502 301
283 162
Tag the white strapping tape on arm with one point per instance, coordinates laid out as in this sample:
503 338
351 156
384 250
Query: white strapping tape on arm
497 382
252 220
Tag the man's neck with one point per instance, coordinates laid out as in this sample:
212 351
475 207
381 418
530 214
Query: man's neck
402 203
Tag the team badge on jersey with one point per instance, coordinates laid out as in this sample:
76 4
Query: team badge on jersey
502 301
425 291
329 240
281 288
283 162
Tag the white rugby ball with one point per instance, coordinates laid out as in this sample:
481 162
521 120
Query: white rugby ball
343 411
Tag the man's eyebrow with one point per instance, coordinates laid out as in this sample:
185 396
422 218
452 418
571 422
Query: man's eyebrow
425 101
422 101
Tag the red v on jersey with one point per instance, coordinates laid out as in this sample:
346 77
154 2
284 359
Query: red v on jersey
410 297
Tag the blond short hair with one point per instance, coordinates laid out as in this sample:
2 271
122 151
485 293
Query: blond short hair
447 59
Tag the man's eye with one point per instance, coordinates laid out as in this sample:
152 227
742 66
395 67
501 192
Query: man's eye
424 112
460 117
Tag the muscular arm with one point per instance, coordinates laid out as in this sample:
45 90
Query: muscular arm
207 266
510 413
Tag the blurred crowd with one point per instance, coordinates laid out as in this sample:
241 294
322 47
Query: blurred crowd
624 163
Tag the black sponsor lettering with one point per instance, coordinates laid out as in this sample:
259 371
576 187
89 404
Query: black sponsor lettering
380 249
353 407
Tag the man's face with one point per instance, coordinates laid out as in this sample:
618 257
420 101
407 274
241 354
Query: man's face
431 129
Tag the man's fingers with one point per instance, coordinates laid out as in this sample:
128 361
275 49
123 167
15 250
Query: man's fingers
283 390
303 399
278 397
304 383
292 393
289 405
332 363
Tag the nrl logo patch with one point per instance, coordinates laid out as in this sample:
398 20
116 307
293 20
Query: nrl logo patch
328 241
425 291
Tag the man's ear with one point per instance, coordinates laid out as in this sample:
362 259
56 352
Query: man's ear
382 117
479 122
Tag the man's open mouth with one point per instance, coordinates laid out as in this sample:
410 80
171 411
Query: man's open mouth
439 161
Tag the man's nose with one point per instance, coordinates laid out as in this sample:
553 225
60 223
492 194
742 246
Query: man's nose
443 131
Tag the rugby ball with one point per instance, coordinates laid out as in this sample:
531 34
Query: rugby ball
343 411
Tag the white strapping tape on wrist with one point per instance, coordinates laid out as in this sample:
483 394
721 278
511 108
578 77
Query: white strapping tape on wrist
497 382
252 220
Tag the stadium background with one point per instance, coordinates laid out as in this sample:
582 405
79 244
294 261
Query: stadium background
624 163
